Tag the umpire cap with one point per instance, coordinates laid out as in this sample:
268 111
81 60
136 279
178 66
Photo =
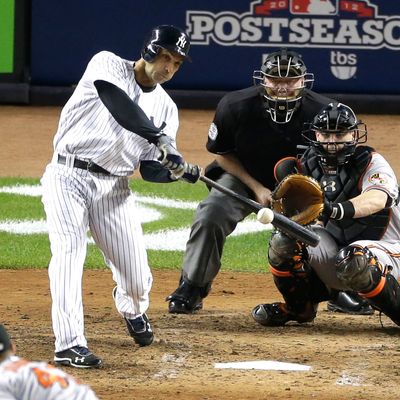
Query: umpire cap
5 342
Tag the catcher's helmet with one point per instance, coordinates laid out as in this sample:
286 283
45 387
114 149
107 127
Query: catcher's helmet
282 100
168 37
336 119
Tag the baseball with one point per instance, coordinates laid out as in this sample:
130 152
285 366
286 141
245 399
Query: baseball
265 216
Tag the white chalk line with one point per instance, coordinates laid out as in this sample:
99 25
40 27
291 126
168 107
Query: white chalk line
166 239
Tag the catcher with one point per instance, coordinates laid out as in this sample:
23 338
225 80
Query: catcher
359 225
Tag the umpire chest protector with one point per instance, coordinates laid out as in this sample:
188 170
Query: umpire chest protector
342 185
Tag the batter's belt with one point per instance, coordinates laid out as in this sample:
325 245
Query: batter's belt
88 165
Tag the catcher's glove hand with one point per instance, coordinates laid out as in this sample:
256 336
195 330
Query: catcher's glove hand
299 197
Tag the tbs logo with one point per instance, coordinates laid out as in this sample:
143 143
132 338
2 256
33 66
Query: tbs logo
343 66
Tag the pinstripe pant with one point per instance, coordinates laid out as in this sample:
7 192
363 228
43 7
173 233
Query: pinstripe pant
76 200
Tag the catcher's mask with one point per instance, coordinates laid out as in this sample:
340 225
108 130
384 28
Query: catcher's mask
332 122
283 77
168 37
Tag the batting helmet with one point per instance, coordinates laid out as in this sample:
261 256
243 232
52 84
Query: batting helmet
168 37
5 342
336 119
283 77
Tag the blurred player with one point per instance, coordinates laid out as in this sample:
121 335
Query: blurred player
26 380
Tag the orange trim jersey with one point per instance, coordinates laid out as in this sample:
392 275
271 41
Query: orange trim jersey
379 175
25 380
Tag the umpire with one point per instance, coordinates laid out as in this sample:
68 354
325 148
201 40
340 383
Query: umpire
252 129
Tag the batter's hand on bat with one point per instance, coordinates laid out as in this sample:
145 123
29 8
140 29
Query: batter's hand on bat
190 173
170 158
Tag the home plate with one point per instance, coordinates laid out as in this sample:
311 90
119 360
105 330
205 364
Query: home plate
263 365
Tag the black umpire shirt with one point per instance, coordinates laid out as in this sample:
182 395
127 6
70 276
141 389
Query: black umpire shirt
243 126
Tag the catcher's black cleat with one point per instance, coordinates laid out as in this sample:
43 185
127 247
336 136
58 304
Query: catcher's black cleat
140 329
79 357
276 314
183 307
350 303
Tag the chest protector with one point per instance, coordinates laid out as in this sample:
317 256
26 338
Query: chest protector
342 185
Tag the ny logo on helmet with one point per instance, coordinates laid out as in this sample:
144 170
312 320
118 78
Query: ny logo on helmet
181 41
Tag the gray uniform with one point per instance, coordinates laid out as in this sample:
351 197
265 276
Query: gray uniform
378 175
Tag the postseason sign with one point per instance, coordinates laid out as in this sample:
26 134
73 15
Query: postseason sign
351 46
348 44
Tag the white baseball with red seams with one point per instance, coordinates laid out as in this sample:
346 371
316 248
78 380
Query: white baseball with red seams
265 215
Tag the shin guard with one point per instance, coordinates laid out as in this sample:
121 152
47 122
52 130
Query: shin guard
385 294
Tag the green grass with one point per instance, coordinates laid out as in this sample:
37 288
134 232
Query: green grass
241 253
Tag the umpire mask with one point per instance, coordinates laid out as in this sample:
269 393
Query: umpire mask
283 78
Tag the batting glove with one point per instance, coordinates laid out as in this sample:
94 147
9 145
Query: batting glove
170 158
190 173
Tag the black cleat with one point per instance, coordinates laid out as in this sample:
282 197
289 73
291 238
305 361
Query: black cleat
177 306
350 303
276 314
187 298
79 357
140 329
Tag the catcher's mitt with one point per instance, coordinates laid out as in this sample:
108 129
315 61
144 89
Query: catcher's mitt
299 197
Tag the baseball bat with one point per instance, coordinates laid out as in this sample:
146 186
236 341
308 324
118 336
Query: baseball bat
283 223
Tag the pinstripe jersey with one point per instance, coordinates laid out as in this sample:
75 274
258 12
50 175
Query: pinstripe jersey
25 380
88 130
77 200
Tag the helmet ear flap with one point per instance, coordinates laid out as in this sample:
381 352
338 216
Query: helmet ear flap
149 53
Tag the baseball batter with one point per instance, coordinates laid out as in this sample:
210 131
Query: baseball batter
359 247
252 129
96 147
26 380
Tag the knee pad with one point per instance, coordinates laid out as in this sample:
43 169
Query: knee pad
354 266
285 253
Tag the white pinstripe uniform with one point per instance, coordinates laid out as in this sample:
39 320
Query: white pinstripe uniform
26 380
379 175
76 199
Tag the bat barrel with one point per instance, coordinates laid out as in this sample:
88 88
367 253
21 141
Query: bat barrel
296 230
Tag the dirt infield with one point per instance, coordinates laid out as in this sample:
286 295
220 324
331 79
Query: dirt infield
351 357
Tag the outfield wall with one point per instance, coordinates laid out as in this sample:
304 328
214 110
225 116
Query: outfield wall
352 46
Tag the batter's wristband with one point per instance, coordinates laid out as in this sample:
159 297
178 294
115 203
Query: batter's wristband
342 210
